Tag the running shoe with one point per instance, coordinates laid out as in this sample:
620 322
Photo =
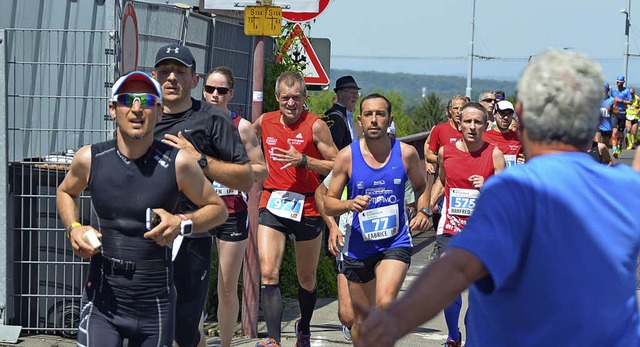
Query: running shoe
452 343
630 146
267 343
302 339
347 333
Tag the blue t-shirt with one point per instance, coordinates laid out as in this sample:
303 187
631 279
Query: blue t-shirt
624 94
383 225
561 252
605 124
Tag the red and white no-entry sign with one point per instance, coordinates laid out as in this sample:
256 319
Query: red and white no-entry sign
129 40
305 16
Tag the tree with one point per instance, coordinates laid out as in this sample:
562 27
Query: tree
428 113
319 102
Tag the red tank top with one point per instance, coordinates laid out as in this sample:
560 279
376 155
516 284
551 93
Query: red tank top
275 134
443 134
459 195
508 143
235 202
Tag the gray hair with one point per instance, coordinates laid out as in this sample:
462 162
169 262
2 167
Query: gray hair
561 92
484 94
290 78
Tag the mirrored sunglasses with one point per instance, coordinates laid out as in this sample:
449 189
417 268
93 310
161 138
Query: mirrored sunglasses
146 100
221 90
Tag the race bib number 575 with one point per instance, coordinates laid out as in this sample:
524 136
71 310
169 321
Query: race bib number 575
462 201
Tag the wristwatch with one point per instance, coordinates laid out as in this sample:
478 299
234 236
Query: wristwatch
426 211
186 226
202 161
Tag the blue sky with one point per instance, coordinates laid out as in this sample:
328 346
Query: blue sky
432 37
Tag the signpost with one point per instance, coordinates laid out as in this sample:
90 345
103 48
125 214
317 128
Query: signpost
262 20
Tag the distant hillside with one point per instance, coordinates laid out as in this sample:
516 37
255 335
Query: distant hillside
411 86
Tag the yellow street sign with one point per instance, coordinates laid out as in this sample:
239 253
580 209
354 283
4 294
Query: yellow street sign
262 20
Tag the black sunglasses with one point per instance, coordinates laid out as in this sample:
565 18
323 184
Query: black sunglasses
221 90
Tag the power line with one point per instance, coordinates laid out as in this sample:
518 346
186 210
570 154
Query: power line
481 57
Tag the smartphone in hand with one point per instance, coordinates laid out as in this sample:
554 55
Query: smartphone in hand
152 219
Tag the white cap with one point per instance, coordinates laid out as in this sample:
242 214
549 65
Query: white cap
136 76
504 105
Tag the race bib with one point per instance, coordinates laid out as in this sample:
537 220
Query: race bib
223 190
510 160
462 201
286 204
379 223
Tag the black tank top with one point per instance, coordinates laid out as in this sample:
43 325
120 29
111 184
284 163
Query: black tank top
122 189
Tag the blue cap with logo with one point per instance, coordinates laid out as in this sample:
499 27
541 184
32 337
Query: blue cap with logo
620 78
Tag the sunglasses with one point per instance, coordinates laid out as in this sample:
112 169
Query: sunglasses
146 100
489 100
221 90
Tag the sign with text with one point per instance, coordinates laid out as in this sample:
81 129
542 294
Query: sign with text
262 20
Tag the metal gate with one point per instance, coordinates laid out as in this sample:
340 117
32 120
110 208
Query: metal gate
56 101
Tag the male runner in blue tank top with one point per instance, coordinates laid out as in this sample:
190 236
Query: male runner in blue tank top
377 247
129 292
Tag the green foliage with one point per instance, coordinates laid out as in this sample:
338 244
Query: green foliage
279 62
319 102
429 112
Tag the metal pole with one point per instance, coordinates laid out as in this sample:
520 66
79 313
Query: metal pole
251 269
627 24
470 67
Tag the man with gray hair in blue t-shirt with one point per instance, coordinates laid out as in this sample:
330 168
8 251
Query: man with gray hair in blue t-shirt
547 271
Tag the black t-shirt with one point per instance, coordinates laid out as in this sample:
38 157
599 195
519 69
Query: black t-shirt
208 129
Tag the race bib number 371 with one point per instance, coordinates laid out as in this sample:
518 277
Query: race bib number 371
286 204
462 201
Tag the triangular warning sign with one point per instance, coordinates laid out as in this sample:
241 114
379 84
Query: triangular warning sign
313 72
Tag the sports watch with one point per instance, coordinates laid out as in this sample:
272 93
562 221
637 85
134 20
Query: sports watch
426 211
186 225
202 161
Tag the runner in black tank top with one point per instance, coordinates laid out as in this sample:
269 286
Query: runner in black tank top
129 292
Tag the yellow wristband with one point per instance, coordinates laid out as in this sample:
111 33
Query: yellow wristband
73 225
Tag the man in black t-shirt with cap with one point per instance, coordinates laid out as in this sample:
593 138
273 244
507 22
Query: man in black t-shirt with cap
208 134
339 117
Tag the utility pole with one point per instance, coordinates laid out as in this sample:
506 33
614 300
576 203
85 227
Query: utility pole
627 24
470 67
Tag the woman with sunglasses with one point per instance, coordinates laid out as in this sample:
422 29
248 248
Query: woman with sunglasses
231 237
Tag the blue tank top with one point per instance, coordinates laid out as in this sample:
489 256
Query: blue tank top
383 225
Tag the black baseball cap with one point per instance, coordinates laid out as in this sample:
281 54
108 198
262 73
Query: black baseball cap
180 53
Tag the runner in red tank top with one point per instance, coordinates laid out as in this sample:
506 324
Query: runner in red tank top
298 147
464 166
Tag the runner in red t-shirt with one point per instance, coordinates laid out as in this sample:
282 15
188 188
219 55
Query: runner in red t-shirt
507 140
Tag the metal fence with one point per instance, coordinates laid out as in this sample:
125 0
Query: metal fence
56 101
55 98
